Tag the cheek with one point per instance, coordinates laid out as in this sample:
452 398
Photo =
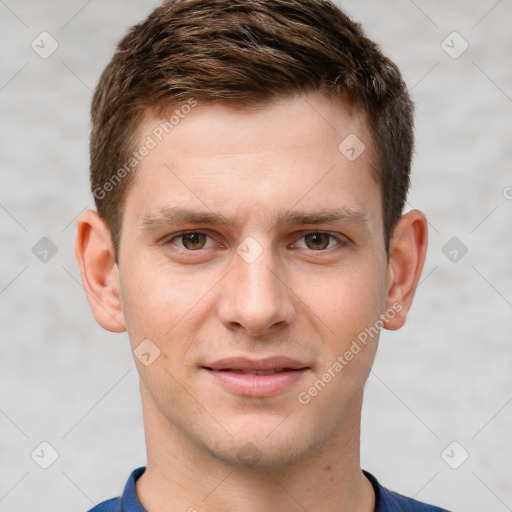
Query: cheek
344 310
152 300
165 304
345 301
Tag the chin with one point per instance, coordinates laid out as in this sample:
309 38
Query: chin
264 449
257 457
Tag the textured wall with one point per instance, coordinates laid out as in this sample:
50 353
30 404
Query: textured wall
445 377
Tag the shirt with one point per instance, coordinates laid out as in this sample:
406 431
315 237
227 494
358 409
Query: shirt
385 500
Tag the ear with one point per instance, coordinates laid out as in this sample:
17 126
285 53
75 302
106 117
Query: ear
100 274
407 251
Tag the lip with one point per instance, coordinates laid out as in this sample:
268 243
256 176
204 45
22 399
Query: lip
226 373
245 363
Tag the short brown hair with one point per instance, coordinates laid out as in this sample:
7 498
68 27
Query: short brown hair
246 53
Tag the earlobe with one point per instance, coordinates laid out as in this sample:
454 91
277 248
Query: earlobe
407 253
100 274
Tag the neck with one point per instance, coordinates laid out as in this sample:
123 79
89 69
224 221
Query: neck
180 475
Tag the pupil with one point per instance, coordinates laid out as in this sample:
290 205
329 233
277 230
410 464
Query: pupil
192 239
316 239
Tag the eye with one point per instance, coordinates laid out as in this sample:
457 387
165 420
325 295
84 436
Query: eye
319 241
191 240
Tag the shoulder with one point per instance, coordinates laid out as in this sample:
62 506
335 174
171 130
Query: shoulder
390 501
113 505
128 502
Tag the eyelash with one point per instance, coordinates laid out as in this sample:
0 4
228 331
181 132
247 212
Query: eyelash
168 241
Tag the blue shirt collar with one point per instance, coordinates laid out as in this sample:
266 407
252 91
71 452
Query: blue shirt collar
129 500
385 500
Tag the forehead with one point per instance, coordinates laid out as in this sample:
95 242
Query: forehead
304 120
256 163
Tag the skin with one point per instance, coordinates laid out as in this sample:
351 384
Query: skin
198 303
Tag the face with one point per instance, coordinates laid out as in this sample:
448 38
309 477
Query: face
251 242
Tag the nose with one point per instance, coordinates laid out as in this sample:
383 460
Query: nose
256 297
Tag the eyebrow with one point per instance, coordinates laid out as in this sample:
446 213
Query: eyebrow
178 215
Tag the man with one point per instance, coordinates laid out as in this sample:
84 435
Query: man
250 163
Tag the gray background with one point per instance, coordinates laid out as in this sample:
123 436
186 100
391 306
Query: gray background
446 376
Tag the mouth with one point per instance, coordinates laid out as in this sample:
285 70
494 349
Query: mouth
255 372
256 378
